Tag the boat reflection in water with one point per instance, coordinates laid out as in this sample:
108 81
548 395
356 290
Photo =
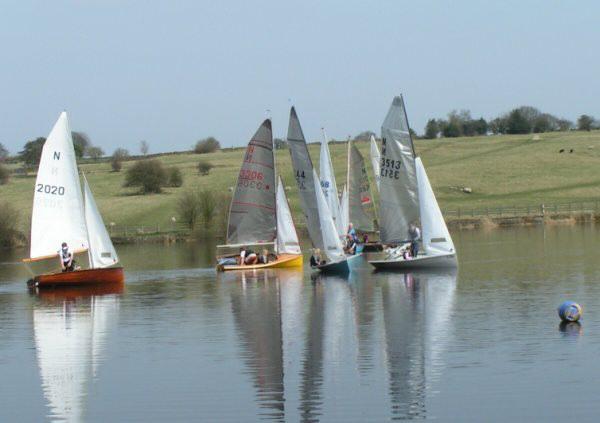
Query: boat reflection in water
70 327
416 310
345 338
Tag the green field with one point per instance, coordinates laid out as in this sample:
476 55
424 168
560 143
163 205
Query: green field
500 170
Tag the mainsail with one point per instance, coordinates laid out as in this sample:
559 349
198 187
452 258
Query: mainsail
333 248
375 161
328 184
360 203
101 249
287 238
57 215
345 217
252 217
436 238
399 201
303 172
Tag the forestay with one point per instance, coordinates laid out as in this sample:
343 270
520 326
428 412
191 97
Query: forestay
252 211
333 248
101 249
57 214
303 172
360 203
399 202
375 161
287 238
329 185
436 238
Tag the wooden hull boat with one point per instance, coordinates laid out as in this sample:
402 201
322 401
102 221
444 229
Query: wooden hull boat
340 267
283 261
108 275
67 292
419 262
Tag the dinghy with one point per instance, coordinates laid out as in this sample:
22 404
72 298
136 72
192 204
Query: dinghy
259 214
322 230
406 197
329 186
61 214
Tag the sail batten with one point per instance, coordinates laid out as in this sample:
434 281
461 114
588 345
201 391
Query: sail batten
303 172
58 213
399 199
252 213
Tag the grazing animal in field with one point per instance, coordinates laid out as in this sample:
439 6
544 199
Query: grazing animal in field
562 150
571 150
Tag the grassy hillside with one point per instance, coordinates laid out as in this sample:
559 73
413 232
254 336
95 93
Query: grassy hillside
501 170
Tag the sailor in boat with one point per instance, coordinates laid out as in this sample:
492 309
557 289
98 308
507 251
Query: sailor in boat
315 258
67 261
265 257
414 234
350 245
247 256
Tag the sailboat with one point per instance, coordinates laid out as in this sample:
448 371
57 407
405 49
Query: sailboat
62 214
406 197
321 227
259 213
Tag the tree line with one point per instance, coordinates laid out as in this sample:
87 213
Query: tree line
522 120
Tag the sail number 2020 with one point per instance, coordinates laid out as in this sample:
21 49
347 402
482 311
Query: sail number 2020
50 189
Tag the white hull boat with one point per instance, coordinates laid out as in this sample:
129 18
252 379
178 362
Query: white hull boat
419 262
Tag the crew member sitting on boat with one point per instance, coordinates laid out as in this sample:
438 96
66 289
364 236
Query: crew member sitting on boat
264 257
247 256
67 260
415 236
350 245
315 258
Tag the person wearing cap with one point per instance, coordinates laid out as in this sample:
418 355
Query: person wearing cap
67 260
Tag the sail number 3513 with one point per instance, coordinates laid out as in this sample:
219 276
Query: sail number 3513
50 189
390 168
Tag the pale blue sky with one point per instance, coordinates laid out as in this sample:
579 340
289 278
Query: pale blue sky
172 72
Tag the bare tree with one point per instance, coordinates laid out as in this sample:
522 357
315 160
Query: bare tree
144 147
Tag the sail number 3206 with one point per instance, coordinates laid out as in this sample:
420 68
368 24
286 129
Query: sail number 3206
50 189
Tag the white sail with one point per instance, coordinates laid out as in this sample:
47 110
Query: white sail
328 184
375 161
332 246
101 249
345 210
57 215
398 198
436 238
287 238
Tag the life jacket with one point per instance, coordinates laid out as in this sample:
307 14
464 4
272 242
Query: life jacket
65 255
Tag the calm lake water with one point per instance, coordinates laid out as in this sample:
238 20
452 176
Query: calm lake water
182 343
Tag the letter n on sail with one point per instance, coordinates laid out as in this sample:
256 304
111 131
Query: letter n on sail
57 155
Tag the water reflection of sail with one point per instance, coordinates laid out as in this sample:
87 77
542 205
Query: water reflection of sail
363 299
312 362
416 309
70 335
257 311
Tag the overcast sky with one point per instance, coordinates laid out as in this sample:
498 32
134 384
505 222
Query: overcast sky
172 72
